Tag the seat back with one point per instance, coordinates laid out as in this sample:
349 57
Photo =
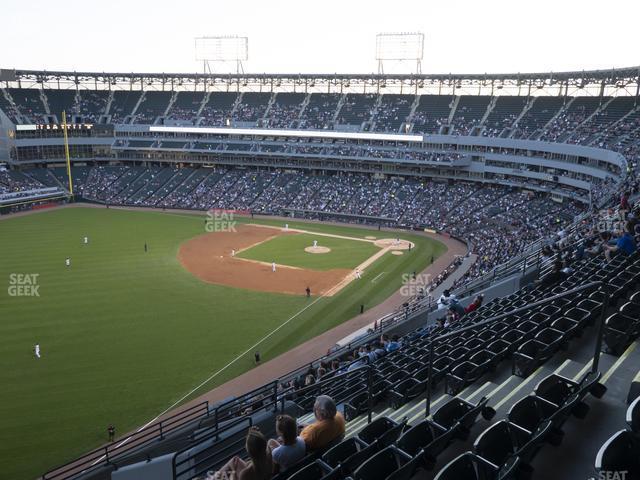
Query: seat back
619 454
417 437
314 471
633 416
555 389
345 449
378 467
464 467
376 429
450 413
409 469
526 413
495 443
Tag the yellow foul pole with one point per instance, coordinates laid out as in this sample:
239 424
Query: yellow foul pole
66 150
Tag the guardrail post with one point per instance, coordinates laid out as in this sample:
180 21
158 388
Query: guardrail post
427 405
601 326
370 393
215 417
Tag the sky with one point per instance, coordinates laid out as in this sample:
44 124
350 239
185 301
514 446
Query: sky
462 36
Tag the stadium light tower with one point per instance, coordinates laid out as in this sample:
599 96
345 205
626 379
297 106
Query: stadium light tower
398 48
222 50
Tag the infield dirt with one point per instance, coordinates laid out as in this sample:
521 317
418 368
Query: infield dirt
209 258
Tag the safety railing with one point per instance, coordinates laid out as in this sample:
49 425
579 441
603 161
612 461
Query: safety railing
108 454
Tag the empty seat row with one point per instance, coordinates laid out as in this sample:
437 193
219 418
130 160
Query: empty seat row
505 449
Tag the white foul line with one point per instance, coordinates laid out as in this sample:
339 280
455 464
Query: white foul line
215 374
377 276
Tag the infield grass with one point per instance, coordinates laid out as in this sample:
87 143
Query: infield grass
124 333
289 250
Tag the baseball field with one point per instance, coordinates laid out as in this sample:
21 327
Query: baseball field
154 303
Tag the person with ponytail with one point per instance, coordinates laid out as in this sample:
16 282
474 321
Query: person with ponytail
260 465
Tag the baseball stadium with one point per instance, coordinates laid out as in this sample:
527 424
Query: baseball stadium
385 276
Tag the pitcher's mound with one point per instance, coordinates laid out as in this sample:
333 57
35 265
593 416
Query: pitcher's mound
317 249
393 244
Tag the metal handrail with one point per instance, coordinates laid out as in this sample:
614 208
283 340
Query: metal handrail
105 455
176 464
596 358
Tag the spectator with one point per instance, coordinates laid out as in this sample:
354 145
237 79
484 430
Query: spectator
454 306
473 306
445 299
624 202
393 345
625 244
260 466
329 425
289 448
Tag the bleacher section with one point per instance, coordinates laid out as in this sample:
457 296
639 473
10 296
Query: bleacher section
469 113
614 110
29 104
8 108
540 113
184 110
61 100
432 112
217 111
92 105
285 110
152 106
252 107
393 112
122 105
573 115
608 121
320 111
505 112
356 109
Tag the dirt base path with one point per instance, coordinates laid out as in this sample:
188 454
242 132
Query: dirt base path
209 258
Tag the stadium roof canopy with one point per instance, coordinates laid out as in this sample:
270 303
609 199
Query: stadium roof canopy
620 78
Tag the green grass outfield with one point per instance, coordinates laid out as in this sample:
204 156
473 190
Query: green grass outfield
125 334
289 250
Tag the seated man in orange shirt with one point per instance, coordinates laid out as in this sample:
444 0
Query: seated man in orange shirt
329 424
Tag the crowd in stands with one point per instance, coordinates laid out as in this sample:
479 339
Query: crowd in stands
499 222
14 182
